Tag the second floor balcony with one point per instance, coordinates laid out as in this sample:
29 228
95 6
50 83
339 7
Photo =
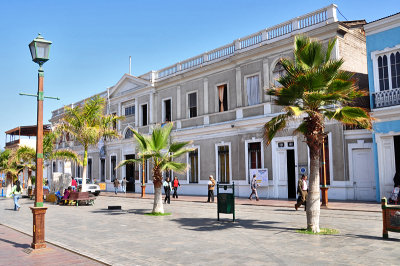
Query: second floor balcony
386 98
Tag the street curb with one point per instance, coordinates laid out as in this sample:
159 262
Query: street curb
62 247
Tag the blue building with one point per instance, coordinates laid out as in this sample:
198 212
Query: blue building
383 52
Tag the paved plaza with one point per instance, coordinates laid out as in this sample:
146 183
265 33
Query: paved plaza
263 234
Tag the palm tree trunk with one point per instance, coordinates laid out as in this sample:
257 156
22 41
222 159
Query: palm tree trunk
313 198
157 181
84 170
29 178
9 181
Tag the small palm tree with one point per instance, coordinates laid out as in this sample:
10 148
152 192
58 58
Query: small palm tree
315 89
27 155
11 166
161 151
88 124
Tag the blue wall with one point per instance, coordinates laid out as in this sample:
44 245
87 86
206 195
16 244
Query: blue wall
378 42
386 127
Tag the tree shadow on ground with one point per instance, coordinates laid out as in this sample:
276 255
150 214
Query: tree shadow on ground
208 224
373 237
121 212
15 244
290 210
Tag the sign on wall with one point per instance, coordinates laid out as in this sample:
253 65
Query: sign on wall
261 176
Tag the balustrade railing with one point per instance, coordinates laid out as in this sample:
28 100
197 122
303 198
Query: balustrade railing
251 40
302 23
192 62
386 98
221 52
312 19
279 30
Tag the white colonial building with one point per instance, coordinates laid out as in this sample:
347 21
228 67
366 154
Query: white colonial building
218 101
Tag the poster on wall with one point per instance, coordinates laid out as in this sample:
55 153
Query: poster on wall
261 176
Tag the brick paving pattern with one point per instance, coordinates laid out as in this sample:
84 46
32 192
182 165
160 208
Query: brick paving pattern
15 250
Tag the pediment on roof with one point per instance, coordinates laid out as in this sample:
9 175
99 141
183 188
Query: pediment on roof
128 84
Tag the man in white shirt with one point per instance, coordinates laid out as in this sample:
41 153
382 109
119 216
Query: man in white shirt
302 191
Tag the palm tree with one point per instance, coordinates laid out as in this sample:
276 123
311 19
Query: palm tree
88 124
314 89
27 155
11 166
161 151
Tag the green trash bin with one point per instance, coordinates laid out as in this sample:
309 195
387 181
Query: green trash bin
226 199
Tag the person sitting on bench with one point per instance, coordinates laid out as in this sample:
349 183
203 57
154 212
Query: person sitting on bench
58 196
66 195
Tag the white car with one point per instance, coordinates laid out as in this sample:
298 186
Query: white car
92 188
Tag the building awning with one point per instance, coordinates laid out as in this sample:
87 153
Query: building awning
28 130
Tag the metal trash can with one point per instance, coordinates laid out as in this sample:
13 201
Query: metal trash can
226 199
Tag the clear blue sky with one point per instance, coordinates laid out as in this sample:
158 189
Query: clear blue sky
93 39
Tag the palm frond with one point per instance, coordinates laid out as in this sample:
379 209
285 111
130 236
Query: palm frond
273 126
351 116
175 166
65 154
128 162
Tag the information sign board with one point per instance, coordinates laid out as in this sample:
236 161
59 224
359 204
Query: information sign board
261 176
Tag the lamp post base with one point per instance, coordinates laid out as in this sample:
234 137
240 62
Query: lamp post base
38 227
143 191
324 192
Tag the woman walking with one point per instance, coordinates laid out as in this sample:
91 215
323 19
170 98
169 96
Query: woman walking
16 192
176 185
167 189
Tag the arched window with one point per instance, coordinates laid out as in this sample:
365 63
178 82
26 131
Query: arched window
278 72
395 69
128 133
383 73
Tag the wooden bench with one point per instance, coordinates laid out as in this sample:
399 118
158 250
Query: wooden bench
46 192
390 218
81 197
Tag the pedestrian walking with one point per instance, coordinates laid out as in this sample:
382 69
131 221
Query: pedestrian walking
176 185
302 191
253 185
74 185
16 192
167 189
123 184
211 185
116 185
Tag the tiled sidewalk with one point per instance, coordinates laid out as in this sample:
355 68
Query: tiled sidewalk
332 205
15 250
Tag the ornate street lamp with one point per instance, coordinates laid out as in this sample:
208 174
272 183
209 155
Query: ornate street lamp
39 48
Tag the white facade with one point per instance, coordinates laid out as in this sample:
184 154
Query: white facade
218 101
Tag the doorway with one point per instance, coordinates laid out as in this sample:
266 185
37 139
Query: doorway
396 140
284 161
291 174
130 174
363 174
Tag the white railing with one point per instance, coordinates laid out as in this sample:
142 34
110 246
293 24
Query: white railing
280 30
266 36
192 62
312 19
251 40
166 71
386 98
221 52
